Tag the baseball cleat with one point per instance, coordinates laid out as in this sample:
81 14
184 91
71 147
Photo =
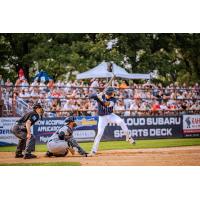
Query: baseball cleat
131 140
29 156
19 155
91 154
86 154
48 154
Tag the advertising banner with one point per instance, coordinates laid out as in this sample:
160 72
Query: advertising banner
147 127
141 127
191 125
6 137
85 131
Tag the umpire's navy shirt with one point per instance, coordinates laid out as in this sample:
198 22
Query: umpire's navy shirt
102 109
32 116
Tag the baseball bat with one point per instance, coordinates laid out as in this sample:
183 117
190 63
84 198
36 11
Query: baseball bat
109 83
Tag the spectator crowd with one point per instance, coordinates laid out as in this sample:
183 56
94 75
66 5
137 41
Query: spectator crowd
64 98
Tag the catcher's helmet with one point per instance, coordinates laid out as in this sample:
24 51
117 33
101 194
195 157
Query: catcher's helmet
37 105
109 91
70 119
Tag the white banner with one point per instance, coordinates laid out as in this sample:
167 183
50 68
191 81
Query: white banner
6 137
191 123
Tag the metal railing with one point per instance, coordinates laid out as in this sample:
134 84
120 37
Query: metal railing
126 112
143 88
20 105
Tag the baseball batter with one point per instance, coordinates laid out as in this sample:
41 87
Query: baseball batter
62 141
106 103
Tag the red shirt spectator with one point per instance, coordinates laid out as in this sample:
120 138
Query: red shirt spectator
50 84
21 73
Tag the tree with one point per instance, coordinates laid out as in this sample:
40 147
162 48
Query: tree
174 56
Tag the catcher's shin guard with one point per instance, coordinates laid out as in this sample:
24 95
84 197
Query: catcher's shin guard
73 144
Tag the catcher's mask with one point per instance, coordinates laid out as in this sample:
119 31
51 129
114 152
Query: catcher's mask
70 119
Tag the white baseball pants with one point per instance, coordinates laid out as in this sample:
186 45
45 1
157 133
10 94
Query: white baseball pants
103 121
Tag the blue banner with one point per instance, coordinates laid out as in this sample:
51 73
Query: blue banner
142 127
146 127
85 130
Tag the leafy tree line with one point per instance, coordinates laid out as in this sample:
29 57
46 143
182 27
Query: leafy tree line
176 57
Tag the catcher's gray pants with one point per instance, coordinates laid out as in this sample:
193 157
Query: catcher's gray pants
24 144
57 147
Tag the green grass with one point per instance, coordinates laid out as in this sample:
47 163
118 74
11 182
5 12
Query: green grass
158 143
42 164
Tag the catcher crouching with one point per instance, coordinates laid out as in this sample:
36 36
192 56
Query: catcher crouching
62 141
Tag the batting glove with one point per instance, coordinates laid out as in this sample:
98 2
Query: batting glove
99 96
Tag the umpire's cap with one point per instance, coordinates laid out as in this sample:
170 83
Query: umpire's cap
109 91
37 105
70 119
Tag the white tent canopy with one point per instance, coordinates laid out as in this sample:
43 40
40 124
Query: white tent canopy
100 71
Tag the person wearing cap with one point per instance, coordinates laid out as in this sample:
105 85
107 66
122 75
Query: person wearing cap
106 102
22 130
62 141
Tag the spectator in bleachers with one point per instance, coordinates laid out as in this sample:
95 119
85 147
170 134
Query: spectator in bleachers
134 108
123 85
137 99
17 87
50 84
94 85
1 80
163 106
35 92
8 85
24 84
119 107
24 94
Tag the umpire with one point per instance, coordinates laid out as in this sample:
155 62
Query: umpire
22 130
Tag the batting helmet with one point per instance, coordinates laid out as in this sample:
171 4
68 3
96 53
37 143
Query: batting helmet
109 91
70 119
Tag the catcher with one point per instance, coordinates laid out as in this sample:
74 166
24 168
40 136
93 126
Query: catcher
62 141
106 103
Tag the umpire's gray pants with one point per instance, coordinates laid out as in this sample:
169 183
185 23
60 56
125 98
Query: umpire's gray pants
24 144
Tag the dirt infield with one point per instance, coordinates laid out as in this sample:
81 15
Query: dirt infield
173 156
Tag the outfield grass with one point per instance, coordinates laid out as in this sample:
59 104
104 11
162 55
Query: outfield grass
42 164
141 144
